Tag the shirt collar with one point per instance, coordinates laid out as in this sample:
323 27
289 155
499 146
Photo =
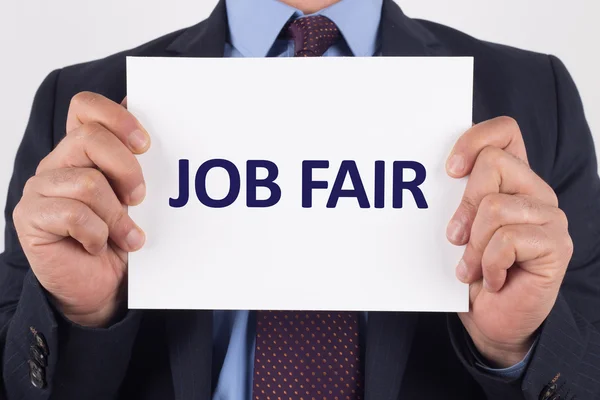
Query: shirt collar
254 25
358 20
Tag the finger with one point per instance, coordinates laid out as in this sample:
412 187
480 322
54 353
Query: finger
60 218
124 102
495 171
90 187
517 244
498 210
89 107
92 145
502 132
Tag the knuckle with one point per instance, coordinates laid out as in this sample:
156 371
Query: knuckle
488 266
84 138
76 216
84 98
505 236
562 218
42 165
527 207
20 219
517 160
89 131
526 203
102 235
30 184
552 197
548 281
509 122
568 245
121 117
89 184
494 158
60 176
490 156
18 213
120 221
538 238
492 206
491 264
132 174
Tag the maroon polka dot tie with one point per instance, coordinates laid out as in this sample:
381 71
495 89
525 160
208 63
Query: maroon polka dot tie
307 355
312 36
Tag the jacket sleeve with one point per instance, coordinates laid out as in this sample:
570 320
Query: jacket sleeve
566 359
79 363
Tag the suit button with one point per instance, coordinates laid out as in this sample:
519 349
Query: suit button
38 355
548 392
36 375
41 342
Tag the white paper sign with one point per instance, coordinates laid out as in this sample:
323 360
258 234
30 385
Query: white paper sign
299 115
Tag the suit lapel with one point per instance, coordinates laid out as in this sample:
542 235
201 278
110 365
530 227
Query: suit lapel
189 333
189 337
206 39
389 337
402 36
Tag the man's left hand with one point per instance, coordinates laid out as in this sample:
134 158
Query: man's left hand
517 242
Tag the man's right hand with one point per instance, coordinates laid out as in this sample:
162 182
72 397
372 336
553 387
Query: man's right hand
72 219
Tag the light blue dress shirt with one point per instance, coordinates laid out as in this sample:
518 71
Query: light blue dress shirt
254 29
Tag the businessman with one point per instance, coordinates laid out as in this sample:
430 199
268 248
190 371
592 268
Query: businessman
530 220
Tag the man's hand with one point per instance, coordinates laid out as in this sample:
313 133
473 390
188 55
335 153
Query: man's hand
72 219
517 243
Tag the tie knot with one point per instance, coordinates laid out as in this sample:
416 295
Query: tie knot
312 35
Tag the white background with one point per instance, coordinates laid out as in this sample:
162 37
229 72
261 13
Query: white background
37 36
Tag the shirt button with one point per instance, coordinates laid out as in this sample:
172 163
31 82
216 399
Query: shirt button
38 355
36 375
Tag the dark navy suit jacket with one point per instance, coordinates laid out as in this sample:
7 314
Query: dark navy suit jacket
168 354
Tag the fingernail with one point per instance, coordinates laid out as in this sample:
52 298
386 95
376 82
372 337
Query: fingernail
456 164
138 140
461 271
455 231
138 194
135 239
